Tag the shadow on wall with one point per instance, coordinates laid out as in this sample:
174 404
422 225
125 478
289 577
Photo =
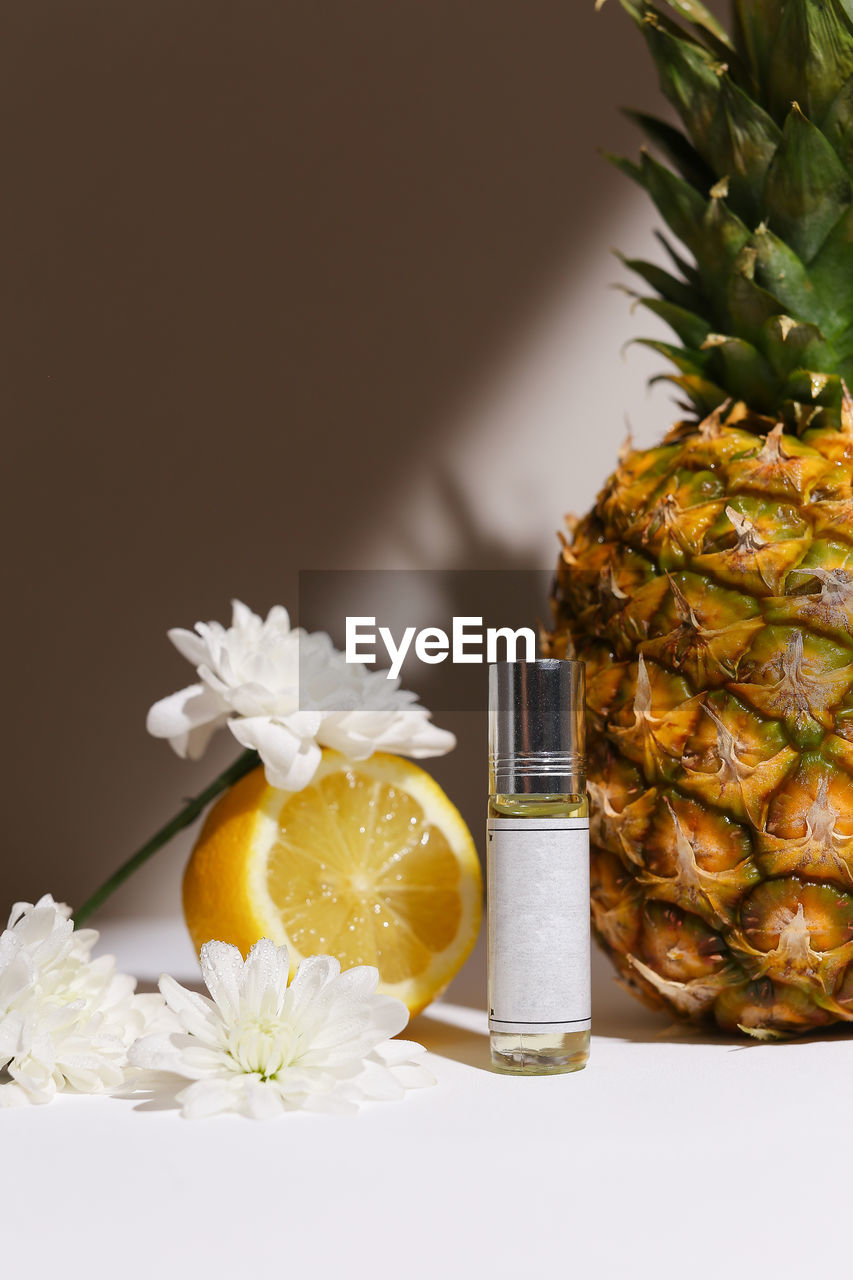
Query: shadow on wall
258 250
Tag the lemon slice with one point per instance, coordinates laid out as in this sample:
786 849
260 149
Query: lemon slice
371 863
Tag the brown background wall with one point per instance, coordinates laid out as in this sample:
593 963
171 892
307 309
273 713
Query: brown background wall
258 257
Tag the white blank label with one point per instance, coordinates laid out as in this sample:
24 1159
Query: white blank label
538 897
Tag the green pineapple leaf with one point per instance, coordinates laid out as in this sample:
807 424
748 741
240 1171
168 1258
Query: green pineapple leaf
670 288
837 124
705 396
750 307
812 398
679 203
790 346
755 27
691 329
689 360
758 191
812 56
807 189
731 132
778 270
722 236
811 385
688 76
687 269
702 18
831 273
677 149
742 141
740 367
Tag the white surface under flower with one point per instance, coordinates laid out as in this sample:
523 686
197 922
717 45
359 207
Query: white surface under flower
260 1047
287 693
66 1021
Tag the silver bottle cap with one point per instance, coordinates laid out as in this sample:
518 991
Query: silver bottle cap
536 728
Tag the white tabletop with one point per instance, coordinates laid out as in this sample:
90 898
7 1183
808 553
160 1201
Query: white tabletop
668 1156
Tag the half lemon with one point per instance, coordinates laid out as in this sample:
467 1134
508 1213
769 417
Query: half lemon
371 863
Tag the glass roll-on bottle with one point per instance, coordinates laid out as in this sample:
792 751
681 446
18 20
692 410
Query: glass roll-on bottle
538 868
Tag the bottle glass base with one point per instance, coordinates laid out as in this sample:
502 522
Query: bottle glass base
514 1053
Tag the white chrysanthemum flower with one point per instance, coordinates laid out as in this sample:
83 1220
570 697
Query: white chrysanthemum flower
260 1047
286 693
66 1021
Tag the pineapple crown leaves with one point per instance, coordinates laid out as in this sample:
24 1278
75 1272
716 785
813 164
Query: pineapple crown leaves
757 184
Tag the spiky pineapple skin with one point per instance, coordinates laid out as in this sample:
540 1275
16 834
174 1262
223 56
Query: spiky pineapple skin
710 592
709 589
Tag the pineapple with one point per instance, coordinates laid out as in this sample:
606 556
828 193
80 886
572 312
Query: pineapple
710 590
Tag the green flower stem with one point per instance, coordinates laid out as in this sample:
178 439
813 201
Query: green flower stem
244 764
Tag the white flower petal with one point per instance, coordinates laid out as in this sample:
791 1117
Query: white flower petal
242 616
428 741
290 762
402 1057
379 1083
199 1060
17 974
65 1021
262 1101
156 1053
354 1030
389 1015
264 978
188 645
221 968
409 733
264 1048
11 1034
359 981
413 1076
83 940
341 1036
284 693
393 1052
195 1012
206 1098
311 977
12 1095
22 912
155 1014
188 718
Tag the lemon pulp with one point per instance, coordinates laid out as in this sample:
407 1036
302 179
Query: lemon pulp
371 863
